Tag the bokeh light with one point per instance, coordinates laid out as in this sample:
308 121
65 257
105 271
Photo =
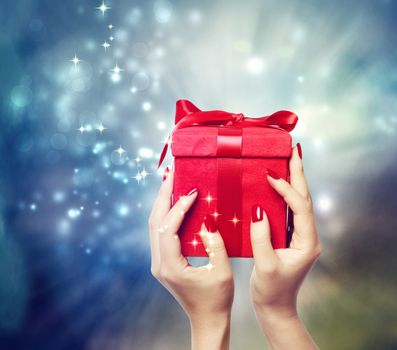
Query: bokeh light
87 98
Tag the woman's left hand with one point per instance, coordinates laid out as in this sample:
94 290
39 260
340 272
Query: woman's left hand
205 292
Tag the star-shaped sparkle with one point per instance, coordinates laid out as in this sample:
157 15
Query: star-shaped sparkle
100 128
215 214
194 243
75 60
111 38
144 173
138 177
235 220
209 198
120 151
103 8
81 129
105 45
116 69
110 26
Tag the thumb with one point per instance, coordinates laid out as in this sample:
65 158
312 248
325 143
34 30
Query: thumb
213 243
260 236
177 213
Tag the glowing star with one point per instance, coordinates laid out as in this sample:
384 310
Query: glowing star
100 128
144 173
208 198
215 215
75 60
110 26
137 159
81 129
235 220
138 177
120 151
116 69
194 243
105 45
111 38
103 8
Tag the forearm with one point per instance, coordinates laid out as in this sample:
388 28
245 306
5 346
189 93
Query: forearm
211 333
285 332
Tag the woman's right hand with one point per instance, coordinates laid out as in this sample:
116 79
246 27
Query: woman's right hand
205 292
278 274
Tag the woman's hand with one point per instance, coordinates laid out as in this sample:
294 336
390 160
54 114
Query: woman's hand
278 274
205 292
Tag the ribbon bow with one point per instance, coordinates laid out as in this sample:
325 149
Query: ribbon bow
187 114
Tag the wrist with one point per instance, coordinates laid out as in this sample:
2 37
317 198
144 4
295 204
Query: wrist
210 331
284 329
272 316
282 307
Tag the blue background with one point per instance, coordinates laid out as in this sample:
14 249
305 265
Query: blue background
74 249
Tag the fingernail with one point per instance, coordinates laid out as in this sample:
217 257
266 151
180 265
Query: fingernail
298 145
257 213
272 174
166 171
210 223
192 191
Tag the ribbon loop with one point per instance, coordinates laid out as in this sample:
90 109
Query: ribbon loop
187 114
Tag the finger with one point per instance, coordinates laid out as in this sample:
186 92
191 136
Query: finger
305 233
154 252
297 177
294 199
159 210
177 213
215 248
170 247
260 237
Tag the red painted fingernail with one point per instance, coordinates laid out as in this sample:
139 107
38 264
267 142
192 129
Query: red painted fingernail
257 213
272 173
210 223
192 191
166 171
298 145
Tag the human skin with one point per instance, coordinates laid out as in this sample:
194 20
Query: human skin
205 292
278 273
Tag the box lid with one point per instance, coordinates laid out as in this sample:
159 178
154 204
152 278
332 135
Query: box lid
202 141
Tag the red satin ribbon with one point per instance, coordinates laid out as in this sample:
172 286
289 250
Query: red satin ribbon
229 188
187 114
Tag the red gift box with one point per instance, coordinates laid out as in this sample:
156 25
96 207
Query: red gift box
225 155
